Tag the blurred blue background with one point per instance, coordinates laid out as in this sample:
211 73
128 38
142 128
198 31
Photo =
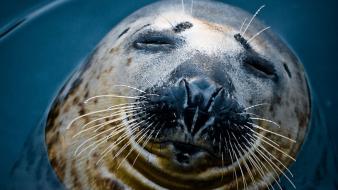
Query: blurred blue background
42 41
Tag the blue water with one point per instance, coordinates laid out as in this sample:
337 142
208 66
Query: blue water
41 42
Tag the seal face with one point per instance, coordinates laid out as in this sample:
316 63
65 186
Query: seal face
179 99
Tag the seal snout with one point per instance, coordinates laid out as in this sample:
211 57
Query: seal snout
197 115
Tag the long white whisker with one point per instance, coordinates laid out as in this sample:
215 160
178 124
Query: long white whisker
277 134
275 166
240 30
262 104
252 18
89 139
113 96
111 147
259 163
232 160
101 125
182 1
260 136
191 6
239 164
267 120
245 163
137 141
257 34
134 88
128 110
91 113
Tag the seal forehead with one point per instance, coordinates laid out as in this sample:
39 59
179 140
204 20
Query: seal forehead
210 38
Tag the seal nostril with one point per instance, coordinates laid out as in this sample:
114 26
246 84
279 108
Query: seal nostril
200 92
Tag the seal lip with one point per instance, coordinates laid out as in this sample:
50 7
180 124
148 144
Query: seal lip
190 148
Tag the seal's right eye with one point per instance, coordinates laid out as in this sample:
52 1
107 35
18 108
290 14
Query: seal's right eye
155 42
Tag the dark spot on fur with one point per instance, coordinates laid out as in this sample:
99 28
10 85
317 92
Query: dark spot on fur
278 99
182 27
122 33
112 184
74 86
58 165
53 139
287 70
76 100
129 61
76 181
86 94
53 114
302 118
82 111
113 50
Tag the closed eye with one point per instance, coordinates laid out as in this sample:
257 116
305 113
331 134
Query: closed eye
156 41
260 66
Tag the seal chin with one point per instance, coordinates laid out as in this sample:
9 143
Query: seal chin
195 121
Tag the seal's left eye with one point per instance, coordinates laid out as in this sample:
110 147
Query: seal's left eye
260 66
155 41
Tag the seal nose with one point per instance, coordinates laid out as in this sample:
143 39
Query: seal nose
200 92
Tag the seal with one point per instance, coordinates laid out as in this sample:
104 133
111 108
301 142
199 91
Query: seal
181 96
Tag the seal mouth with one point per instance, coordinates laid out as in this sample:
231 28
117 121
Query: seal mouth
183 153
194 120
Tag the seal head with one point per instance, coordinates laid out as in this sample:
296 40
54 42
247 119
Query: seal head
181 99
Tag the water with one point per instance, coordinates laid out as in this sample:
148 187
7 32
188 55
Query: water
41 42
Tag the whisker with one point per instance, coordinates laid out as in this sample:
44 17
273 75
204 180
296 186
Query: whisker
111 147
240 30
260 136
232 160
172 26
257 34
271 155
133 127
112 96
259 163
267 120
134 88
142 134
103 140
110 121
269 161
89 139
275 166
143 145
248 113
242 156
277 134
146 142
262 104
91 113
191 6
126 104
243 176
101 125
252 18
182 2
